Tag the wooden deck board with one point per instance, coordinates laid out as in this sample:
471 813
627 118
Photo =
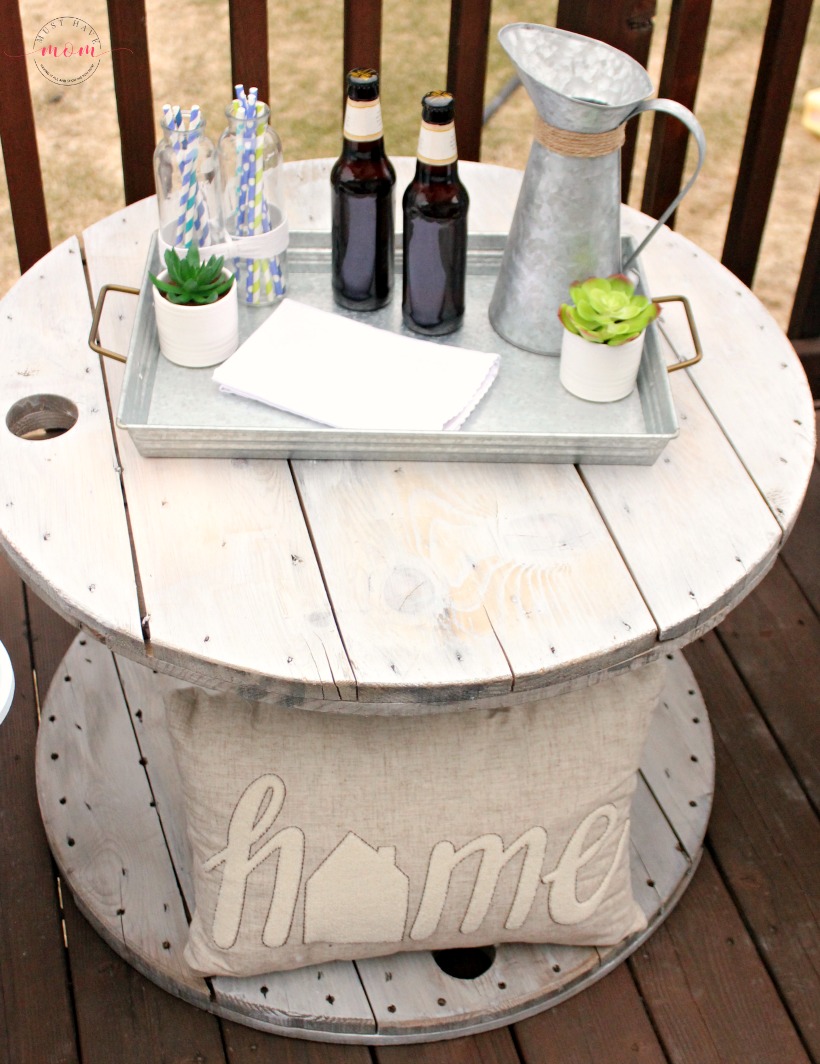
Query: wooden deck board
730 976
491 1047
772 638
248 1046
33 966
607 1022
801 553
765 838
711 998
122 1016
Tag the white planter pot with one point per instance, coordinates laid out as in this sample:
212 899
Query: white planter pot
195 336
598 372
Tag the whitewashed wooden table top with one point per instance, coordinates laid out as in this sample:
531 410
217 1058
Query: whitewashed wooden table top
390 586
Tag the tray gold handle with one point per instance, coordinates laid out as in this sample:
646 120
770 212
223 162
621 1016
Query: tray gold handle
693 330
93 339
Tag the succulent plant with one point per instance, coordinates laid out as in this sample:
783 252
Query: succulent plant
605 310
192 281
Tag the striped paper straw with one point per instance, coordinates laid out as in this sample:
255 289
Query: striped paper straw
253 184
262 280
192 220
264 277
247 229
200 220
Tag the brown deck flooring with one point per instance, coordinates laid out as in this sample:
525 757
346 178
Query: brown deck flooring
733 976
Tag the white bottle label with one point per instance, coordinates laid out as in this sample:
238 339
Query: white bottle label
437 144
363 120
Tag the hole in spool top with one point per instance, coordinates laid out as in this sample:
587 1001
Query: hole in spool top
467 963
41 417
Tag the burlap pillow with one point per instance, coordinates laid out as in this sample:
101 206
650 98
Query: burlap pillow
321 837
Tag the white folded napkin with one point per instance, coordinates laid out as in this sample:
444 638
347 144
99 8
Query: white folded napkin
339 372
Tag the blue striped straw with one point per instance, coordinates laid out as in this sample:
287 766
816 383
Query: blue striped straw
173 120
201 218
248 103
263 275
192 221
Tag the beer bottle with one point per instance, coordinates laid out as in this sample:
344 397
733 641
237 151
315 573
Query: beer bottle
435 226
361 182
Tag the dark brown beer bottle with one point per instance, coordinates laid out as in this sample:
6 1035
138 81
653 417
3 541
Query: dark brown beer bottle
361 182
435 226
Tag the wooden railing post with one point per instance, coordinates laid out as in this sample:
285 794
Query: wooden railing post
682 62
805 319
249 45
625 24
362 34
19 141
135 104
777 73
467 70
804 326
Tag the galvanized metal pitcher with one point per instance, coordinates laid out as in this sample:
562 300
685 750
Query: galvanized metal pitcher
567 221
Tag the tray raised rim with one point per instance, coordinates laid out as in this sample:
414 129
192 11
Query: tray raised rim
314 441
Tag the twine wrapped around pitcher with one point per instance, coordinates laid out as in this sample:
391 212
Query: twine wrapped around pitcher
578 145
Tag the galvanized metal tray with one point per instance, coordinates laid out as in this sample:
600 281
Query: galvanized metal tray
527 416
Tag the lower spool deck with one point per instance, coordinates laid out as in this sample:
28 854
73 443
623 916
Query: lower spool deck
111 803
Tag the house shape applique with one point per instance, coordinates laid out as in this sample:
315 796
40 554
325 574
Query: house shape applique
357 894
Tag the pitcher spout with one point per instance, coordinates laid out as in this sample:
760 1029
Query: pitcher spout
575 82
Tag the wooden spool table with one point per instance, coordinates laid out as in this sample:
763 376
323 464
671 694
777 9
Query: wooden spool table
222 573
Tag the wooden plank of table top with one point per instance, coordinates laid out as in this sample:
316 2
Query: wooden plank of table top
446 577
657 860
33 967
410 994
221 541
678 761
61 497
693 527
115 856
707 991
773 638
145 692
749 377
765 837
323 998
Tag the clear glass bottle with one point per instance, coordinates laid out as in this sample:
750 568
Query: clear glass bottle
188 181
250 154
435 208
362 202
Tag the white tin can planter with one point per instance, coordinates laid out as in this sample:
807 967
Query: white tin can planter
598 372
196 335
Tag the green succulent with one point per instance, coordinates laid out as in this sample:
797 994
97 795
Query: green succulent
192 281
607 311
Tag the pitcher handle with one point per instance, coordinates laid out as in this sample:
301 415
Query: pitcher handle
683 114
